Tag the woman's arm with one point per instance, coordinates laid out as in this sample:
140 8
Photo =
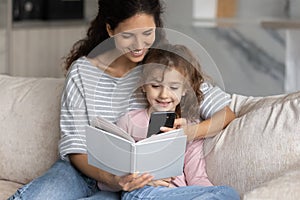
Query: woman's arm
207 128
212 126
117 183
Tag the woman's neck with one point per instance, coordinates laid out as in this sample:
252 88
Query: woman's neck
120 67
113 64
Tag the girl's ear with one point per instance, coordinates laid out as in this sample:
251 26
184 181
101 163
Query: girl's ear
109 31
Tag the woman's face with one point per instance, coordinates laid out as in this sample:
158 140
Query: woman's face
164 88
134 36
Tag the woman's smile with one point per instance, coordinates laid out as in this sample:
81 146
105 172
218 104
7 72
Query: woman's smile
137 52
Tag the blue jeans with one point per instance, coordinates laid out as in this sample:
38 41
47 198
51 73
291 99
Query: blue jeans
186 193
63 182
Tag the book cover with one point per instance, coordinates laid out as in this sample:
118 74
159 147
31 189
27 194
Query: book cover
112 149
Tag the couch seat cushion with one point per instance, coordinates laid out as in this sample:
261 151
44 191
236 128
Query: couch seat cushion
285 187
8 188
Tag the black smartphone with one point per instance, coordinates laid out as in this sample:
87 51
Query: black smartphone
159 119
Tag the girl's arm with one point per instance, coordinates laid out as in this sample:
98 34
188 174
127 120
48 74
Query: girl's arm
116 183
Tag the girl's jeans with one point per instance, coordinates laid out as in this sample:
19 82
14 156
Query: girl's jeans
63 182
180 193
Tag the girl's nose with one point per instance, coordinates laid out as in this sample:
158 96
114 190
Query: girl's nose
164 92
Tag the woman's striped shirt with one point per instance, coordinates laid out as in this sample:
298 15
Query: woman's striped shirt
90 92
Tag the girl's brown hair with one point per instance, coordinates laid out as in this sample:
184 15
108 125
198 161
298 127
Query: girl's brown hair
182 59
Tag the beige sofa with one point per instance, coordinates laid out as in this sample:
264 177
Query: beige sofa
258 153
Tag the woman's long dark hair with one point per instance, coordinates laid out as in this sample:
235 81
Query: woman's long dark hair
113 12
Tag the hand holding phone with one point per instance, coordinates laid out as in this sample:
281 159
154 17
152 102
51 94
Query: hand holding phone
159 119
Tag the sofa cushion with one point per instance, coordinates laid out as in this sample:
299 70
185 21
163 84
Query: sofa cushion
7 188
29 126
257 146
285 187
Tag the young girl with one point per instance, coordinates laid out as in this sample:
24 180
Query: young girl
101 85
172 82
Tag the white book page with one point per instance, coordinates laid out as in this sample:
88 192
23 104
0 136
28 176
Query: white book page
170 134
103 124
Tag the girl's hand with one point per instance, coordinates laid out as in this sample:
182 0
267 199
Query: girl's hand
189 130
178 123
133 181
166 182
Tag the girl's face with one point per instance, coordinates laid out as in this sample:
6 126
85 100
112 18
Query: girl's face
164 89
134 36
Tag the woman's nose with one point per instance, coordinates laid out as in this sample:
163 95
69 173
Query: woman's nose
138 43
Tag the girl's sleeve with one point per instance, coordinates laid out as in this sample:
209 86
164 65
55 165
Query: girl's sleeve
215 99
73 117
122 122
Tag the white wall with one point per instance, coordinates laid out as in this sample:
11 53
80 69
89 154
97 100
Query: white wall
250 58
292 75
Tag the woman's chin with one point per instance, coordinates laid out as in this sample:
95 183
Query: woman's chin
135 59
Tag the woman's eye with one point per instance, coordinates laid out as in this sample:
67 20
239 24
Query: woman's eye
174 88
148 33
126 36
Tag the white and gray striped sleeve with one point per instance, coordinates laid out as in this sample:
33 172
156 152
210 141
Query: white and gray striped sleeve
73 119
215 99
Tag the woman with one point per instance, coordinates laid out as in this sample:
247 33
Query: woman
102 84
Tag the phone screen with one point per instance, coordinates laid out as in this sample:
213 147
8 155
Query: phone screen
159 119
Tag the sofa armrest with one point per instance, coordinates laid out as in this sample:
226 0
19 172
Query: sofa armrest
285 187
29 126
256 147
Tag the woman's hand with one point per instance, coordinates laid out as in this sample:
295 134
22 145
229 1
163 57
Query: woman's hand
166 182
133 181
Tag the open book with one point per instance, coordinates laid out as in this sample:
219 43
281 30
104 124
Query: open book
112 149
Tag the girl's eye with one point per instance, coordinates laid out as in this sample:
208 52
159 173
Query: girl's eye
174 88
155 86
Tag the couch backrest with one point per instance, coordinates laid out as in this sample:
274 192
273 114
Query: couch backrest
29 126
